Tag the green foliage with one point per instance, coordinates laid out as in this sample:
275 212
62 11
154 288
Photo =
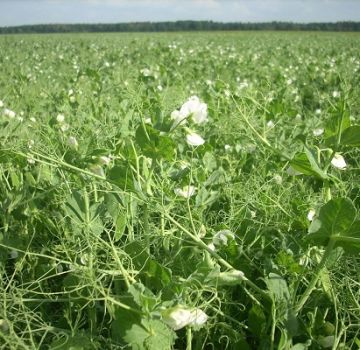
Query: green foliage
351 136
110 216
150 335
336 221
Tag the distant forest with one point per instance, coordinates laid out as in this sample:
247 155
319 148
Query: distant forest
180 26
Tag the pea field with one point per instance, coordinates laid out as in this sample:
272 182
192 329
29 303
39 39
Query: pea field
180 191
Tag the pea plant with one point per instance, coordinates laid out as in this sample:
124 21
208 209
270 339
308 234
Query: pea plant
179 192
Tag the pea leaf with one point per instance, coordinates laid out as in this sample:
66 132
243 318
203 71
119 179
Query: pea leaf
306 163
143 296
121 176
278 288
351 136
335 218
350 240
154 145
76 342
336 122
150 335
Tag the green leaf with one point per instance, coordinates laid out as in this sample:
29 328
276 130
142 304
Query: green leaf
350 240
124 319
311 155
209 161
351 136
278 288
143 296
217 177
75 208
335 218
150 335
120 225
77 342
306 163
205 197
159 275
154 145
121 176
156 274
257 320
333 124
113 205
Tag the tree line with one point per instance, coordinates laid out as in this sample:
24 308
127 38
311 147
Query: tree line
180 26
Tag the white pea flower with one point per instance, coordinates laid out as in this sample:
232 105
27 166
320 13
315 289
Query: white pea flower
318 132
278 179
30 160
72 99
318 111
72 142
104 160
1 104
270 124
145 72
9 113
193 108
228 148
160 88
336 94
148 121
71 92
32 119
211 246
186 191
311 214
338 161
243 85
194 139
60 118
298 118
223 237
31 143
196 109
178 118
179 317
64 127
199 318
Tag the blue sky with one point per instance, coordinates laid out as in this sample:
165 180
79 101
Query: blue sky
17 12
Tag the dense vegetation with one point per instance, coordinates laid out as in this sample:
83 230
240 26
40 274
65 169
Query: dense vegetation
193 191
180 26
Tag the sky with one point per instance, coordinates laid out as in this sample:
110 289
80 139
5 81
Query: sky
18 12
